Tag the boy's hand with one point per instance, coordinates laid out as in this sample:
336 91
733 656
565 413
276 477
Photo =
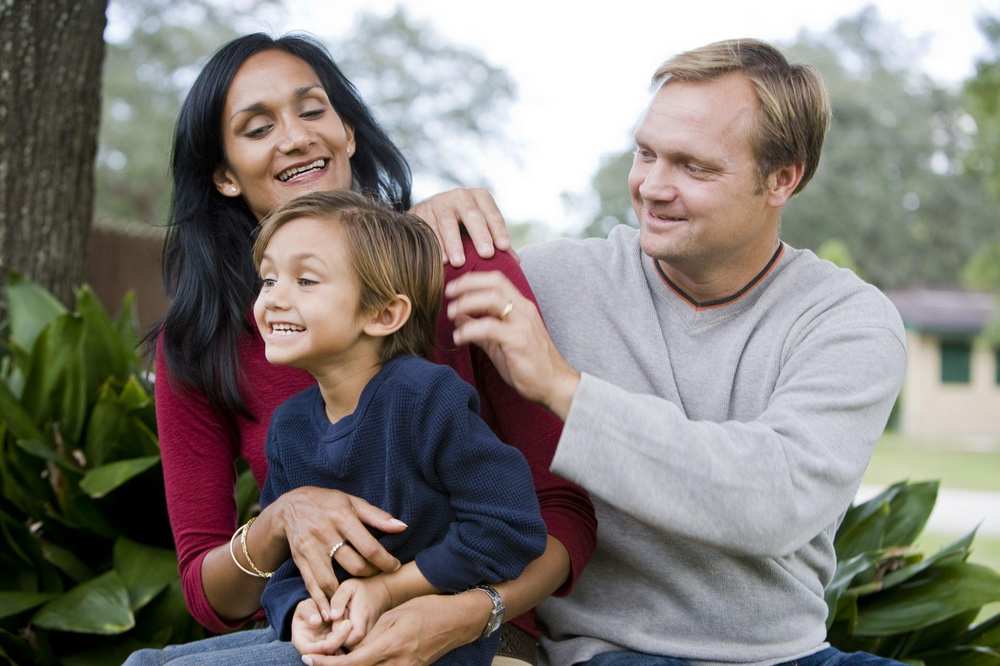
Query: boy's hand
312 635
361 601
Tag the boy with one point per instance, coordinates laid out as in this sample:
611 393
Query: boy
351 293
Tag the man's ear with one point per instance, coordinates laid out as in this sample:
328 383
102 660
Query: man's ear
781 183
226 182
389 318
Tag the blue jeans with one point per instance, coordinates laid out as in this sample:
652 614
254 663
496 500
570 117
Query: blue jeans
257 647
828 657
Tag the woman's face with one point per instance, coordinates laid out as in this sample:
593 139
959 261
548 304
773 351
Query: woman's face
281 135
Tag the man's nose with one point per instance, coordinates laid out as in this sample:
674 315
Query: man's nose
659 183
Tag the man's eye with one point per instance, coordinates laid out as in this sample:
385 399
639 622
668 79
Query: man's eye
643 154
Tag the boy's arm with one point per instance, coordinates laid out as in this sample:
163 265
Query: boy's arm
497 529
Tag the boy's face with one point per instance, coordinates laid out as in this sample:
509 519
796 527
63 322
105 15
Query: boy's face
308 307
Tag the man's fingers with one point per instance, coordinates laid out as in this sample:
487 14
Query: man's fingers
451 237
494 218
483 330
485 302
478 280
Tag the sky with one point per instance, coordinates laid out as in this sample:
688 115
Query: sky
582 70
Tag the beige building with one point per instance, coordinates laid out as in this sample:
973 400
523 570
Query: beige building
952 386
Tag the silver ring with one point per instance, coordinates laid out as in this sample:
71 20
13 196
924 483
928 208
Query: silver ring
335 547
507 309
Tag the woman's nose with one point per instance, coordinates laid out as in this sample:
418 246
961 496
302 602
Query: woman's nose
296 137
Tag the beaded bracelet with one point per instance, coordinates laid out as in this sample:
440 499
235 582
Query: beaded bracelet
241 531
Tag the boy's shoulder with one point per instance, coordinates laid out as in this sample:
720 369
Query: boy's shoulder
299 405
418 374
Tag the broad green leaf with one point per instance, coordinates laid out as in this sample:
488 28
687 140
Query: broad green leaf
67 562
99 606
953 553
846 571
908 513
986 632
56 388
102 480
943 633
145 570
16 418
167 620
115 430
860 512
936 595
962 655
12 603
127 320
134 395
30 308
104 351
865 534
44 451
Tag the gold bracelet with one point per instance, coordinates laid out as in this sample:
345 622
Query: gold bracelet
241 531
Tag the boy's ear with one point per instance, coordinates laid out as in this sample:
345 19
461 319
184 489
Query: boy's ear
389 318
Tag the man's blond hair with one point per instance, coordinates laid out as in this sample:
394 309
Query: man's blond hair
391 253
793 104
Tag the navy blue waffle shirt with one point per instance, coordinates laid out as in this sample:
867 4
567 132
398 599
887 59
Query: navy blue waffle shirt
416 447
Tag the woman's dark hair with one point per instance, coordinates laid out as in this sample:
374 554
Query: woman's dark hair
208 269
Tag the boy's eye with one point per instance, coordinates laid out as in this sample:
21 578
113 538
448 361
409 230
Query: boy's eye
306 282
268 282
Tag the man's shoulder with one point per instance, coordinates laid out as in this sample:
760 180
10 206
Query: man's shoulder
836 296
582 260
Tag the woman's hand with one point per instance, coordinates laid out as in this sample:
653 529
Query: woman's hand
417 632
315 520
311 634
472 208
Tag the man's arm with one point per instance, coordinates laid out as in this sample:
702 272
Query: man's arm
760 488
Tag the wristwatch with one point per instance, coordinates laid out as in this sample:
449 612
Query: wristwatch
496 615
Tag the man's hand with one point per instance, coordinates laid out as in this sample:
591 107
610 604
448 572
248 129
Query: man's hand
489 311
472 208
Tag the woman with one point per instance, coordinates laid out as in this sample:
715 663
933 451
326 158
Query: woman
265 121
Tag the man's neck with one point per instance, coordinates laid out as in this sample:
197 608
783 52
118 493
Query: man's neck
711 282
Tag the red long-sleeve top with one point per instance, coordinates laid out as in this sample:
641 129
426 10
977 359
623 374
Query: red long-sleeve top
198 454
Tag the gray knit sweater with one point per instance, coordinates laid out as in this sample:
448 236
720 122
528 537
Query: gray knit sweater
721 447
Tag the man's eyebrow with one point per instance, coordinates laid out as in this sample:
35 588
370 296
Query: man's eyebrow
258 107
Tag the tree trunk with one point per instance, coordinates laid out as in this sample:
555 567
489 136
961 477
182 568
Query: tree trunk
51 54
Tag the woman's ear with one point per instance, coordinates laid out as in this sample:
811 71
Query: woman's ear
389 318
351 146
226 182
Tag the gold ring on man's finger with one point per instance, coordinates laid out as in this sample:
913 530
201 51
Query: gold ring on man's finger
507 309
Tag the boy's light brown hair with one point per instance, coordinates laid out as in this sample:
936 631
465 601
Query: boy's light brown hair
793 105
392 253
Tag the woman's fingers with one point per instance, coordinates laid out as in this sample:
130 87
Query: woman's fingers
340 599
376 517
494 218
353 563
320 581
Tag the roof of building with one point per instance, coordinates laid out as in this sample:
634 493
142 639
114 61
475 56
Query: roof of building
945 311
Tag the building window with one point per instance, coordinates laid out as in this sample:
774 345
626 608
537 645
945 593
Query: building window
956 361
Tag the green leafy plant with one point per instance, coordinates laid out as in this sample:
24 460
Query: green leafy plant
888 599
89 568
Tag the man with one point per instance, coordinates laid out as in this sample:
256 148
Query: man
721 391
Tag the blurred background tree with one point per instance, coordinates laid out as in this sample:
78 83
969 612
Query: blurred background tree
895 181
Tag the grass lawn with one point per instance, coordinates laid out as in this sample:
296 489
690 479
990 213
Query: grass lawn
897 458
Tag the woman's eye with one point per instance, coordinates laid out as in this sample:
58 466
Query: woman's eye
313 113
257 132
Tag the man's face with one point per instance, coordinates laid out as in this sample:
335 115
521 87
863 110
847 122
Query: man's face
693 181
